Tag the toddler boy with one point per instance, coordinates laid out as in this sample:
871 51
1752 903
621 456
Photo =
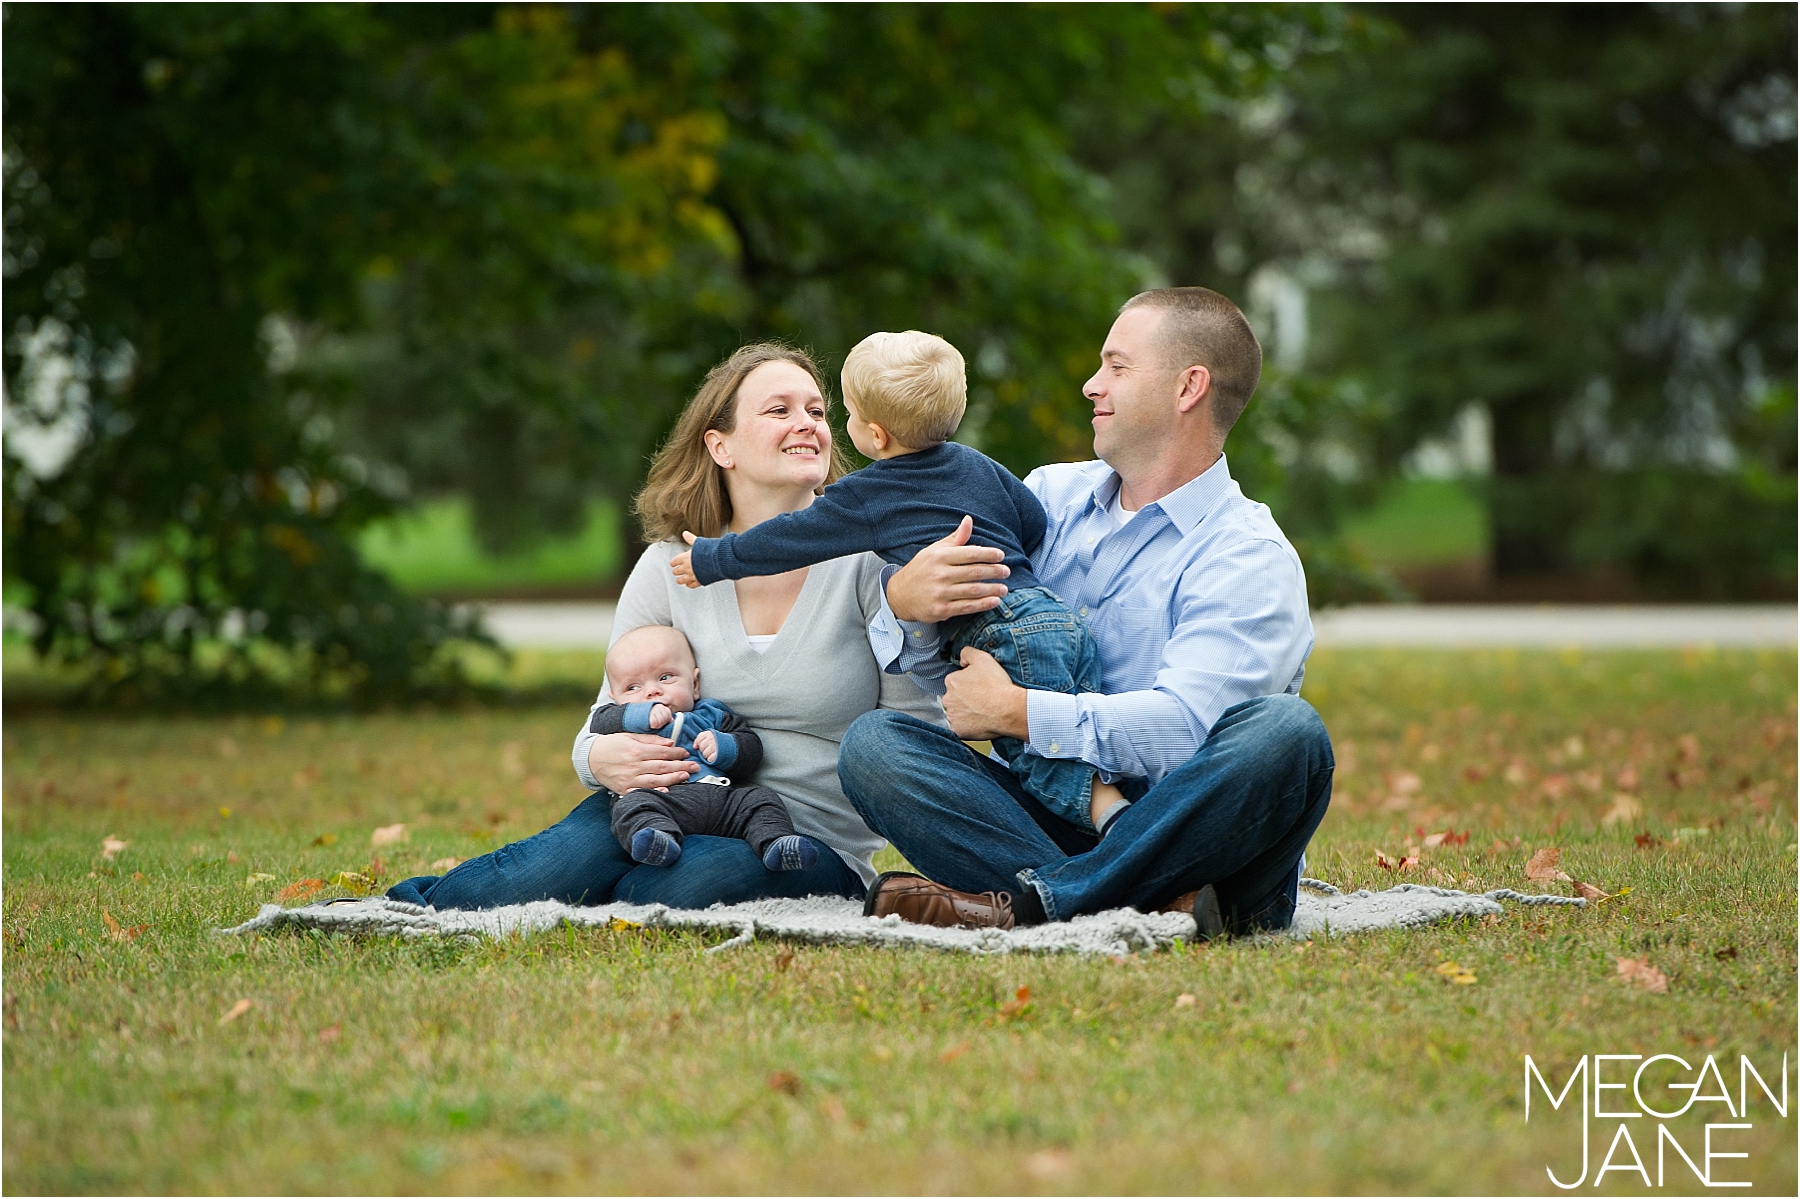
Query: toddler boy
904 395
654 684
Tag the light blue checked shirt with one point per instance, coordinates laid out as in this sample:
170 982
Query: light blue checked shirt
1197 603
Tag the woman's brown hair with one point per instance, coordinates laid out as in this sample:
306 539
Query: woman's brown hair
686 488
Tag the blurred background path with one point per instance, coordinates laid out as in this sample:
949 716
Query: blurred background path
1620 626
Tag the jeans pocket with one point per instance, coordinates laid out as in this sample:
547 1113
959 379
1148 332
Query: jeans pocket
1045 652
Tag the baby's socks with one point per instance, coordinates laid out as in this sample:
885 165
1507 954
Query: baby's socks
653 847
792 852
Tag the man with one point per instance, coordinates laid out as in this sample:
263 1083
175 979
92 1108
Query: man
1198 604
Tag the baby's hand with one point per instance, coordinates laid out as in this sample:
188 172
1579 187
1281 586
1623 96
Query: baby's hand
660 715
708 745
683 565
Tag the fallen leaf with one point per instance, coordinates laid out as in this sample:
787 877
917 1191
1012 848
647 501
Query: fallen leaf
256 880
619 925
330 1033
1627 779
388 834
785 1081
1641 972
237 1009
1185 999
1456 974
111 847
1625 808
1688 747
1018 1006
224 813
1647 840
1433 840
325 839
954 1052
231 856
833 1110
351 880
1590 892
1498 846
1049 1163
376 868
1405 782
1408 862
1543 868
784 959
446 864
1729 953
306 888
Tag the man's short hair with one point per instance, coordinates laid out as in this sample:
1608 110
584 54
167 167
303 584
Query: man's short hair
912 384
1200 327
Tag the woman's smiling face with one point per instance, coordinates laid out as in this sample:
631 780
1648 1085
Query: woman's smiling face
781 440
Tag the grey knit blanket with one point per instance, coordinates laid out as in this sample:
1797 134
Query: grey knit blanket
1323 909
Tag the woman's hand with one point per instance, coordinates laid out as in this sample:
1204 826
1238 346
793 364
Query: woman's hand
945 579
629 761
707 746
683 565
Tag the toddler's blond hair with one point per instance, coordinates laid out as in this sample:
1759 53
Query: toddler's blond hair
912 384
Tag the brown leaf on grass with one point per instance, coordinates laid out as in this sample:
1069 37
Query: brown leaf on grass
1727 954
1404 782
121 934
1383 861
1447 837
954 1052
1543 868
1687 746
306 888
330 1033
351 880
1627 779
388 834
784 1081
237 1009
1625 808
325 839
1018 1006
1456 974
784 959
1643 974
111 847
1185 999
1647 840
376 869
1590 892
1410 861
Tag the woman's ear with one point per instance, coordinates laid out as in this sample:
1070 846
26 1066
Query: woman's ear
715 445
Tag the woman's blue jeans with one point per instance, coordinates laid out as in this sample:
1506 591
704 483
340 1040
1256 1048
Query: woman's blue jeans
578 861
1237 815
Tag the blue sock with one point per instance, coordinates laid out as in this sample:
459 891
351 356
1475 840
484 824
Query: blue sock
653 847
792 852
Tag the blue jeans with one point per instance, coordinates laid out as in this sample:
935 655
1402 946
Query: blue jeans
578 861
1237 815
1041 644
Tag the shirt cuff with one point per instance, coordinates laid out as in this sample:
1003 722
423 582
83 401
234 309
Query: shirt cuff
579 758
903 646
1053 723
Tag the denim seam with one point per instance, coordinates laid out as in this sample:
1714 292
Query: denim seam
1029 877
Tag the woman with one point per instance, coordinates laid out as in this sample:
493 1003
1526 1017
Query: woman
789 653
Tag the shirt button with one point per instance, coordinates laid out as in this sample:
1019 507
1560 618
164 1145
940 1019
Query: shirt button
1084 610
1055 747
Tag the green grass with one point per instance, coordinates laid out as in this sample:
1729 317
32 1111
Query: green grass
432 550
630 1061
1421 522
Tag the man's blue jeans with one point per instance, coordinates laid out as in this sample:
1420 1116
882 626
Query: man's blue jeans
578 861
1237 815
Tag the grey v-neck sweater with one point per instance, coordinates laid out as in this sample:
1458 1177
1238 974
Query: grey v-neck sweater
800 694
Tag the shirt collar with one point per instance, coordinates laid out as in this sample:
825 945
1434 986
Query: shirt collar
1188 504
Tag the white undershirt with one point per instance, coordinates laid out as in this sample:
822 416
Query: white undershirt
1121 515
760 642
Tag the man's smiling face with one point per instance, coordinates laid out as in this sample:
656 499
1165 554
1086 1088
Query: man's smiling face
1134 391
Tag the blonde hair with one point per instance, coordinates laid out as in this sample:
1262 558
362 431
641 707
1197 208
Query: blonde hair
659 632
911 384
686 488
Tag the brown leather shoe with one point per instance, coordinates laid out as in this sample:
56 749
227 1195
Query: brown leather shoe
918 900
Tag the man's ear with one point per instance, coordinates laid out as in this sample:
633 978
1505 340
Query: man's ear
1195 387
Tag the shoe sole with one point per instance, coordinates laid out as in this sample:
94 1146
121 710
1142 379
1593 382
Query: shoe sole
875 887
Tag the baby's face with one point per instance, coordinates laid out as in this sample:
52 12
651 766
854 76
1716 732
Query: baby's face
653 672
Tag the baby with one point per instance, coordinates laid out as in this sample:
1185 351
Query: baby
654 683
904 395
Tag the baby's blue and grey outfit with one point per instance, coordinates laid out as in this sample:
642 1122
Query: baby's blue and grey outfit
651 824
898 506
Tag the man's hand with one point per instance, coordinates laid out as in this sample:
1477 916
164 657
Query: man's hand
629 761
660 715
707 745
945 579
982 703
683 564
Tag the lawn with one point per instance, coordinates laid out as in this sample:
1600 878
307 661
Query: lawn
630 1061
431 550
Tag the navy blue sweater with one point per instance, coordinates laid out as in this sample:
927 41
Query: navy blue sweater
895 507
